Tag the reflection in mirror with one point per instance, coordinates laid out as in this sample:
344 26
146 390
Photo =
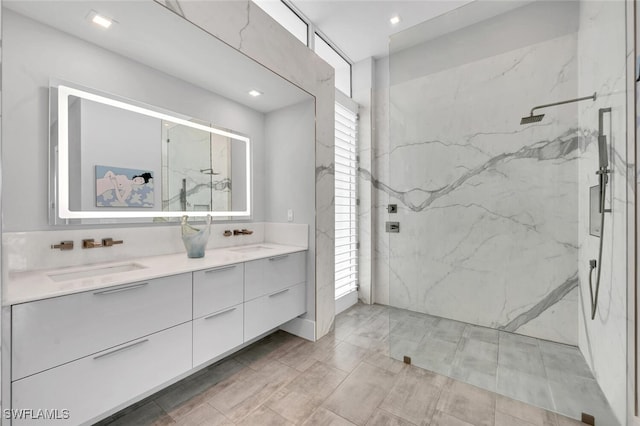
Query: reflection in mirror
150 56
118 159
198 169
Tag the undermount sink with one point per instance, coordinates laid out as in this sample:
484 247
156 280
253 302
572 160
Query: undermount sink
95 271
251 249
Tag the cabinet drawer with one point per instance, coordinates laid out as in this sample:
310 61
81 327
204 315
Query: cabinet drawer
51 332
95 384
216 289
265 276
217 333
267 312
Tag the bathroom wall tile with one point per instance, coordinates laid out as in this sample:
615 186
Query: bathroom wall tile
603 340
485 223
359 395
290 234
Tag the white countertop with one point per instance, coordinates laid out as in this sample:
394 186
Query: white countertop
35 285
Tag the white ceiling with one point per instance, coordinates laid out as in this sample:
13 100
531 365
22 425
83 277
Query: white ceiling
361 28
148 33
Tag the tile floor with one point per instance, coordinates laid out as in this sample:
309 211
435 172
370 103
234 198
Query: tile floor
542 373
346 378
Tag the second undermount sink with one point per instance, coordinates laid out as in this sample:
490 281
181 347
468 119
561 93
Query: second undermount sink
250 249
95 271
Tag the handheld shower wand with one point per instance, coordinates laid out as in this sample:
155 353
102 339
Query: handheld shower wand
603 175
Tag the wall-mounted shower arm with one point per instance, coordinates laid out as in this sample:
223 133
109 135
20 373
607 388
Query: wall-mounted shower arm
570 101
536 118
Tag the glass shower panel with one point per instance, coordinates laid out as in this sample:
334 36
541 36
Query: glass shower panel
484 281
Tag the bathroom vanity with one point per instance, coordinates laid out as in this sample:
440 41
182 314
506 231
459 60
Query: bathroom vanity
86 342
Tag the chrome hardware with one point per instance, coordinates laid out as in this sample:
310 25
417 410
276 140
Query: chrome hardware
90 243
242 232
279 292
121 349
219 313
392 208
222 268
108 242
392 227
64 245
278 257
119 289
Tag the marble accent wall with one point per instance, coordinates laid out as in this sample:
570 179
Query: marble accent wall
602 68
487 207
247 28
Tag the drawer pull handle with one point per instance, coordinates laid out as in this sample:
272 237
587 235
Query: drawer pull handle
279 292
121 349
278 257
219 313
222 268
119 289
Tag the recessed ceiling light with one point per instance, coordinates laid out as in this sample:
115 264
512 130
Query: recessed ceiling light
394 20
255 93
98 19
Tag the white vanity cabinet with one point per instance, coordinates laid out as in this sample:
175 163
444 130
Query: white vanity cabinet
95 384
218 296
274 292
94 352
50 332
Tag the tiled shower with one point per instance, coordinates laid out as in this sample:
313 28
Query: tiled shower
494 223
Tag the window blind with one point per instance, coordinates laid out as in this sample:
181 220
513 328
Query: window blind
346 182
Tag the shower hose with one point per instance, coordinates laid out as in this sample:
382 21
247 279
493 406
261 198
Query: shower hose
592 262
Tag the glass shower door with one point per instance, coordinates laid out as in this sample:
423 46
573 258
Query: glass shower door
486 274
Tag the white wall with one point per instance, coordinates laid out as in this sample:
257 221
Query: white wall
117 138
33 54
602 68
362 92
289 151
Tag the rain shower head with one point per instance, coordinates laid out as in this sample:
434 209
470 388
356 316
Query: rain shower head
536 118
531 119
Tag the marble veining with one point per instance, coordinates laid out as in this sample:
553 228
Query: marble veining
487 207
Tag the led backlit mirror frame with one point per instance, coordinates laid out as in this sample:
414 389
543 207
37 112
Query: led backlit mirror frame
62 173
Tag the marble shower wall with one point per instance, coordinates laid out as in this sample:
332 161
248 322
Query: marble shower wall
602 68
487 207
